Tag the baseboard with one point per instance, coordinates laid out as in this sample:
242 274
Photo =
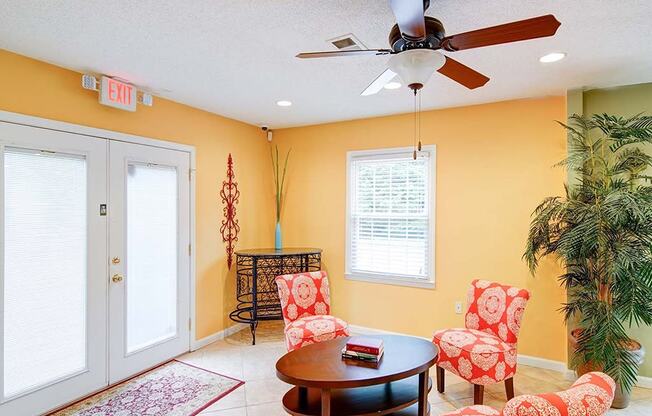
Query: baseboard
536 362
570 375
522 359
644 382
197 344
364 330
543 363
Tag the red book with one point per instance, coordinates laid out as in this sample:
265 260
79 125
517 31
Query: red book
366 345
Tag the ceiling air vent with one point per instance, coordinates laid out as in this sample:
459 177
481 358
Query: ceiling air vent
347 42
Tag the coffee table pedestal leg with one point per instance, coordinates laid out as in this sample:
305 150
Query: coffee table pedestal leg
423 394
303 396
325 402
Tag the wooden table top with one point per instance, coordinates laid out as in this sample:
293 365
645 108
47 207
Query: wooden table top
321 365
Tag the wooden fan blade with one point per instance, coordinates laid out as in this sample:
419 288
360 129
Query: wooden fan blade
379 82
409 16
328 54
537 27
462 74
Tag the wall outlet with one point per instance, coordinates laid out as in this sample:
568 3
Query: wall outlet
458 307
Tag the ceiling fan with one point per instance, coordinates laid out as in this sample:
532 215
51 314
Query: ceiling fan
416 39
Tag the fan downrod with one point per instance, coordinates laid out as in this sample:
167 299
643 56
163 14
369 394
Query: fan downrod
435 33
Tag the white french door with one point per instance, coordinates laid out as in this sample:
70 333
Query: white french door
54 244
150 260
94 263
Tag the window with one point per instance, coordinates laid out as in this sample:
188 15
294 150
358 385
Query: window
390 216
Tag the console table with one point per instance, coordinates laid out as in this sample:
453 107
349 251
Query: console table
256 290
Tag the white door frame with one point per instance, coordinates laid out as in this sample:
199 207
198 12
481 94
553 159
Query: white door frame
22 119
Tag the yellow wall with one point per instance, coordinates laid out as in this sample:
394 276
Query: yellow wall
35 88
494 165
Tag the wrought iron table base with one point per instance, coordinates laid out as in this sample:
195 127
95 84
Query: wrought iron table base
256 290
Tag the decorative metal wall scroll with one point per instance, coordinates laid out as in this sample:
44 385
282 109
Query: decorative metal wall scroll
230 196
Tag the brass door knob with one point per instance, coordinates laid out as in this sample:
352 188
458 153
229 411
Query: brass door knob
116 278
115 260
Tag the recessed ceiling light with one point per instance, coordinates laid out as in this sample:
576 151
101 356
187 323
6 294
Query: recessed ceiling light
284 103
552 57
392 85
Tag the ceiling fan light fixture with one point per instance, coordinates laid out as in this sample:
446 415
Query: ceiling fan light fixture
416 66
394 85
284 103
552 57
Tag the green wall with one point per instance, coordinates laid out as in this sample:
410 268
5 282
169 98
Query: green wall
624 101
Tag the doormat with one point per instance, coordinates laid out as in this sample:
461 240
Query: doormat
173 389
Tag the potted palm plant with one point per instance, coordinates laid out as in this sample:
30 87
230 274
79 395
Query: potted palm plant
601 231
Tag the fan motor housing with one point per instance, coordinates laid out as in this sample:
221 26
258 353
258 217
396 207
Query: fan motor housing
434 34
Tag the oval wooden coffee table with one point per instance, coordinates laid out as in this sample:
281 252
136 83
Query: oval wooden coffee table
325 384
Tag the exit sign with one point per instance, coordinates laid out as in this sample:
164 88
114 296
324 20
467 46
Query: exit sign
117 94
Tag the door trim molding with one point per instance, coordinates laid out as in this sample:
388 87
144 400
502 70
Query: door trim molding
46 123
49 124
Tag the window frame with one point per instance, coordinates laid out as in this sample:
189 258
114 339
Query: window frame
393 279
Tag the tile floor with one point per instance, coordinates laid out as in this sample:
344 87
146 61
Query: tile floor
261 395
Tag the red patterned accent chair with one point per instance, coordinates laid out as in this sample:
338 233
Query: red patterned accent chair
590 395
484 352
306 305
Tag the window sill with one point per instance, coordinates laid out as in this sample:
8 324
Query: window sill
391 280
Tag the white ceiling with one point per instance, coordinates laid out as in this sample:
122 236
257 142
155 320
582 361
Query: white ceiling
236 57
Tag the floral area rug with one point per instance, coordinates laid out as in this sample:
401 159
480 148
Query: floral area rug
173 389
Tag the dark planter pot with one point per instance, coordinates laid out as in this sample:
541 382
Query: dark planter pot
621 399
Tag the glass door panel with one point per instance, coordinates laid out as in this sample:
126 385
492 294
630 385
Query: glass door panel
152 249
45 269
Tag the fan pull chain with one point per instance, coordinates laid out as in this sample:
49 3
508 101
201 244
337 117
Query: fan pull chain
419 146
414 154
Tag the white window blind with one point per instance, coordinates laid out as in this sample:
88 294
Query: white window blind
390 215
45 239
152 253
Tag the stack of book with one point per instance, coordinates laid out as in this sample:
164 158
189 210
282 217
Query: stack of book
363 349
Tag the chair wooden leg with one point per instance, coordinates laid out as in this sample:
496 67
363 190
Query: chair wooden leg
509 388
440 379
478 394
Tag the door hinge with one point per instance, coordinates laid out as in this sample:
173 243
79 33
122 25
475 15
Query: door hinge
189 324
190 174
190 249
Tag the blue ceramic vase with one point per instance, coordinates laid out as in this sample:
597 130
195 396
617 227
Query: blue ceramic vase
277 238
